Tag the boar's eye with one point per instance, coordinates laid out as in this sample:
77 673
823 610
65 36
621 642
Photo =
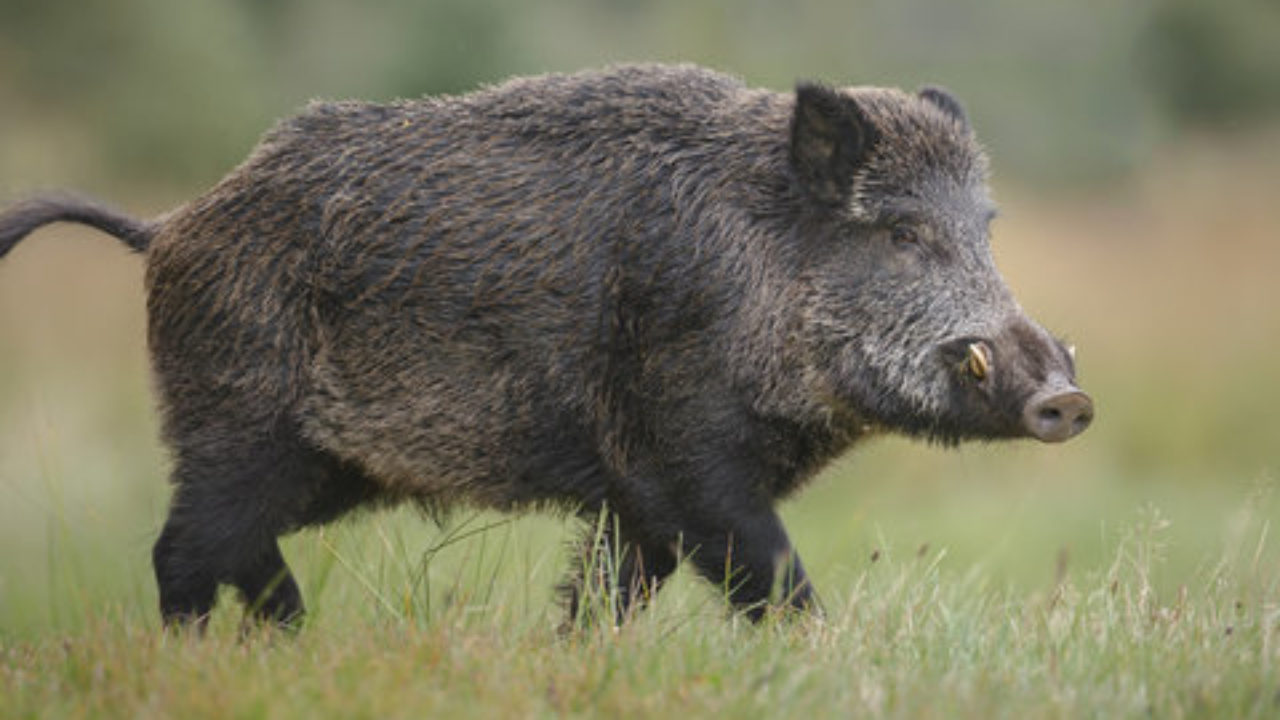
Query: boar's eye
904 235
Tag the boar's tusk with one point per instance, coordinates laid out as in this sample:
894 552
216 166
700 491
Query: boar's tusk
1071 351
979 360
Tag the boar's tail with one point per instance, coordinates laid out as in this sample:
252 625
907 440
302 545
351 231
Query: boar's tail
21 219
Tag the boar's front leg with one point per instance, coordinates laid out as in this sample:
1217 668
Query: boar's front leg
719 509
720 520
718 513
615 569
740 545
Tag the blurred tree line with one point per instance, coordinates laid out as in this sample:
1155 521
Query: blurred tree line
176 91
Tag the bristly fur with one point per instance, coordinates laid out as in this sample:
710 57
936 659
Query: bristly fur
925 136
648 291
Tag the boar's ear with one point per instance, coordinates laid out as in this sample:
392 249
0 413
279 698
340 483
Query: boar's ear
946 102
830 139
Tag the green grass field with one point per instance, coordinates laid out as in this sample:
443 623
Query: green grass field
1132 572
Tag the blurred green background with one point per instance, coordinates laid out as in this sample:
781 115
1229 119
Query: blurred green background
1136 149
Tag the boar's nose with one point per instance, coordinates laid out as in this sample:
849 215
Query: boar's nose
1058 415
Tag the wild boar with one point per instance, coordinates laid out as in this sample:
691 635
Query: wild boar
649 291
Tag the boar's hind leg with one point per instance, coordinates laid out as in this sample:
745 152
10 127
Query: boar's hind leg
187 584
222 528
268 588
228 509
614 569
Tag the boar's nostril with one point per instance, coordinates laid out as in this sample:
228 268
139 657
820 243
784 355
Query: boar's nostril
1058 416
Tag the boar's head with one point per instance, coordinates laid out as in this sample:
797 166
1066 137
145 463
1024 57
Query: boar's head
904 314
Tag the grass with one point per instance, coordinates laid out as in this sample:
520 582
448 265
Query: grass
1132 572
909 635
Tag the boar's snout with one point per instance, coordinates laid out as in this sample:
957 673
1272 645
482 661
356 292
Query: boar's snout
1057 414
1017 382
1043 368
